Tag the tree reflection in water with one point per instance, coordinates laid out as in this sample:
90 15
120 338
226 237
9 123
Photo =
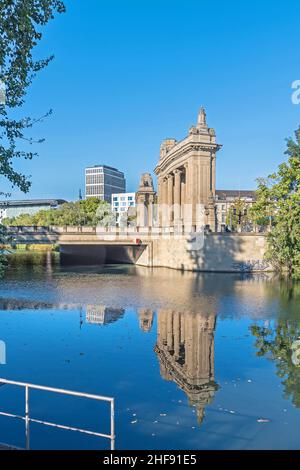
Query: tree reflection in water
280 341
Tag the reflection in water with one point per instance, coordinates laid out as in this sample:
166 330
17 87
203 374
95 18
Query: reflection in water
102 315
21 304
96 314
146 319
120 360
184 344
36 276
279 340
185 349
279 344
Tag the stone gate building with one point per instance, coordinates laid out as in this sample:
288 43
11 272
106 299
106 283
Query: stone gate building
186 174
187 198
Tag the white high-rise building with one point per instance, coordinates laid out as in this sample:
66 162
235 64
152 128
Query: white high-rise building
121 202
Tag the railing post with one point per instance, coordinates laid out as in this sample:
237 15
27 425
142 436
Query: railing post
112 424
27 420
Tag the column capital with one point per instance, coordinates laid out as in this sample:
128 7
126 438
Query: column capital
177 171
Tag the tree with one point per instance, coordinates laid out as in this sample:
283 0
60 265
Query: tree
88 212
20 23
262 211
3 241
278 200
237 215
20 32
278 343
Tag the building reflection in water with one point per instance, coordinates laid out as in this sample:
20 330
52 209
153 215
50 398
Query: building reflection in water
146 319
94 314
101 315
185 349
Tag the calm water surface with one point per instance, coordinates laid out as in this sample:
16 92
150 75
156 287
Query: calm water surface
194 361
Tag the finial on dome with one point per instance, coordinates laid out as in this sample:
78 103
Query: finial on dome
202 117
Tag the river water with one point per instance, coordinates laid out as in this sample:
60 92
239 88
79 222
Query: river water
194 361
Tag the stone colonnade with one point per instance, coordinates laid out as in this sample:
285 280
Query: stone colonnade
186 174
185 348
173 196
189 339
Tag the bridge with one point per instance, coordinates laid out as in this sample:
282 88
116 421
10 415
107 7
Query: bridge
88 244
151 247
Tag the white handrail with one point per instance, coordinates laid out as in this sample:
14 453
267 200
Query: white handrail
28 419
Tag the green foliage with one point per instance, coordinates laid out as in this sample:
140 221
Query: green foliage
238 215
23 219
276 343
3 241
20 24
278 198
89 212
262 211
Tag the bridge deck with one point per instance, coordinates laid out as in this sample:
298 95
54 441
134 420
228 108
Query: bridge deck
72 236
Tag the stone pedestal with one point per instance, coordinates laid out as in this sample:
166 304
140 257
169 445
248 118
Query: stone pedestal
145 200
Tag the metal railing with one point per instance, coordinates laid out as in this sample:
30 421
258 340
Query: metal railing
28 419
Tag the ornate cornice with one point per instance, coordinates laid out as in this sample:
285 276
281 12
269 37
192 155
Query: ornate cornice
177 153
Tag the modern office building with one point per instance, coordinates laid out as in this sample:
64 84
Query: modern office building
10 208
121 202
102 181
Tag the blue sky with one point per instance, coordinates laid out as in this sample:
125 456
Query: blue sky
130 73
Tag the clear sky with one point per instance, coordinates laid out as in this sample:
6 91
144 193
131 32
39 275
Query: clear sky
129 73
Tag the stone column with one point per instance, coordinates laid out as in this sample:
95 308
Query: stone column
177 198
164 203
189 185
183 194
159 190
176 325
170 337
150 211
170 197
159 199
213 174
182 327
140 211
164 191
161 328
190 343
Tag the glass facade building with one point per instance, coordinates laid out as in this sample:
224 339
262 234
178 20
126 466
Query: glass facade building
102 181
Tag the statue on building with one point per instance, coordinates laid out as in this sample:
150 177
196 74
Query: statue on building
202 117
145 200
